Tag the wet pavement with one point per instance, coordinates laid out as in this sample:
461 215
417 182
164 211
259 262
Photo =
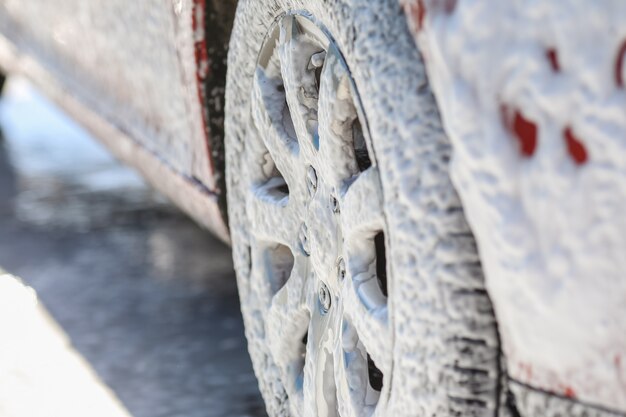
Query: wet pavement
146 298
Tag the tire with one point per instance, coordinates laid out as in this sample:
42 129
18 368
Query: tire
360 283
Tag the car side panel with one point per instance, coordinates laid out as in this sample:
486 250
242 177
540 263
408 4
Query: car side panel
131 62
190 195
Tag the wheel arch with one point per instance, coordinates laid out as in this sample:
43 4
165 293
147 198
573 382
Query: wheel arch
212 22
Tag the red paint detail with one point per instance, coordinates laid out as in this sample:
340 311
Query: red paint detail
553 57
575 147
202 71
526 134
569 392
418 12
523 129
619 65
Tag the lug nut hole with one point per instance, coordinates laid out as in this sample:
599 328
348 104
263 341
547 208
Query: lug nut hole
324 298
311 180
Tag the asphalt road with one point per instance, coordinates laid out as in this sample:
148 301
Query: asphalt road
145 299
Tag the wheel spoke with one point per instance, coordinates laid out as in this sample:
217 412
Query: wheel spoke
273 122
363 200
351 375
272 217
319 392
337 115
286 324
367 311
295 52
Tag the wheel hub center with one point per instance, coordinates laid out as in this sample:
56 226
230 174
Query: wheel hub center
323 239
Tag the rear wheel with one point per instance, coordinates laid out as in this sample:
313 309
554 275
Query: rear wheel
360 285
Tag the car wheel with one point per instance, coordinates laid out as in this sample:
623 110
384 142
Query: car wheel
361 288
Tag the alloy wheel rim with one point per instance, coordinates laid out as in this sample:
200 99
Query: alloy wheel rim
316 227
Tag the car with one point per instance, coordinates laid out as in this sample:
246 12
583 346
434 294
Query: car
424 198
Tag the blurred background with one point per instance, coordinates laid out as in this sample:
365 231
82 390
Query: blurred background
112 302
